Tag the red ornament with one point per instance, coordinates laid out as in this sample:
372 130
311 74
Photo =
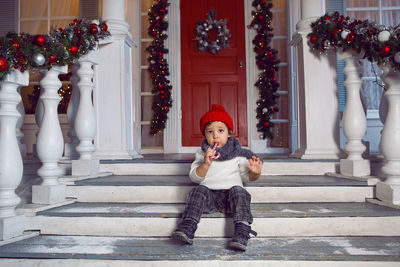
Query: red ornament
334 33
385 51
350 37
328 17
260 17
52 59
3 64
104 27
39 40
93 29
160 85
313 38
73 50
266 123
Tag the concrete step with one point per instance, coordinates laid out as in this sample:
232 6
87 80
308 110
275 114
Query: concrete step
50 250
174 189
170 165
271 219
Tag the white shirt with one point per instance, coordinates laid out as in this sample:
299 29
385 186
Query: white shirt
221 174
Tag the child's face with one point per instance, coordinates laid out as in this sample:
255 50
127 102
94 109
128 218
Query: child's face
217 131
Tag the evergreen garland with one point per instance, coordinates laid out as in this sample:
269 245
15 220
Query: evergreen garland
158 66
377 43
267 62
63 46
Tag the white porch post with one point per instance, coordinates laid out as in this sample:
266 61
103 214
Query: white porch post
113 97
354 121
389 191
11 167
50 142
317 92
85 120
70 148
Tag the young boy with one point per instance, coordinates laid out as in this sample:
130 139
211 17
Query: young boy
219 168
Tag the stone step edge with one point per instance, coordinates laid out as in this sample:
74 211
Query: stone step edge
269 168
178 194
195 263
216 227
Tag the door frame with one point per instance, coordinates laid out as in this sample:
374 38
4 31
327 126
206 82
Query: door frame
173 131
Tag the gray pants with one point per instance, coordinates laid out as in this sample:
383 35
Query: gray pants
235 201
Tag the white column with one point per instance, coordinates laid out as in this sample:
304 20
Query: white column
70 148
173 127
50 142
354 121
11 166
85 121
389 191
318 120
20 122
113 97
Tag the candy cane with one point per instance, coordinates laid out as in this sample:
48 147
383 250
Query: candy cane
218 155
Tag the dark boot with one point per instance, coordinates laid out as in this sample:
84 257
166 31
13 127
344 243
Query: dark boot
241 236
185 231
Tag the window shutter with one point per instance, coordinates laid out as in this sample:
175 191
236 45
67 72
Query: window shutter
8 16
89 9
340 6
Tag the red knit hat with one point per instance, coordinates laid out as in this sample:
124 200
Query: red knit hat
216 113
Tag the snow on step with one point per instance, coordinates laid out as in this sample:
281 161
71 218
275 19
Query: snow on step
358 251
284 219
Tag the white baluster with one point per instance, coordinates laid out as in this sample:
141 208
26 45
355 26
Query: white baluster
85 121
70 148
354 121
50 143
11 167
20 122
389 191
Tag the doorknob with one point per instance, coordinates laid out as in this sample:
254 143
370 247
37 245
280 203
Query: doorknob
241 64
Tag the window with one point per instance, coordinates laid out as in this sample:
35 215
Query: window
148 141
384 12
39 17
280 43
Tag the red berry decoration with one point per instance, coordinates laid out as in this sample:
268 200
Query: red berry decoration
93 29
385 51
73 50
15 44
39 40
313 38
3 64
52 59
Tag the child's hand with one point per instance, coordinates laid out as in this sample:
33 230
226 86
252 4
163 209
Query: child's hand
208 156
255 166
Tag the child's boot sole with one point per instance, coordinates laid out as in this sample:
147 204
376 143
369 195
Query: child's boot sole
238 246
182 237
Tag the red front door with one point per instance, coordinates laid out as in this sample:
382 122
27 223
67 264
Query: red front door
213 79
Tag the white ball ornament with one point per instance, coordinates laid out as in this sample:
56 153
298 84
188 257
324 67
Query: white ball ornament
397 57
39 59
344 34
383 36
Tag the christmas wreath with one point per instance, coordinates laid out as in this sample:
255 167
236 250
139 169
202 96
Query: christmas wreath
268 63
203 29
377 43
